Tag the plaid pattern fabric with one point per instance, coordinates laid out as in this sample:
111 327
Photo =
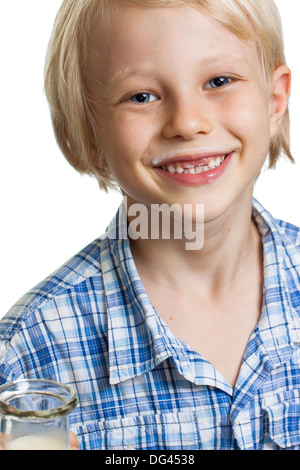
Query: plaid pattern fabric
91 325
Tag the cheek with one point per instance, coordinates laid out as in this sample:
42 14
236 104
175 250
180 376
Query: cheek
249 121
126 136
122 148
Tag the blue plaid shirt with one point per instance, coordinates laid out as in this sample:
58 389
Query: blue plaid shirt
91 325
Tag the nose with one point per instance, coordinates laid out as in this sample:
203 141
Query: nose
186 119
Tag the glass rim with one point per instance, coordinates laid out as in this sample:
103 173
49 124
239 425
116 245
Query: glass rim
63 410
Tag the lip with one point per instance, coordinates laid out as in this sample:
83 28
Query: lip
191 155
200 179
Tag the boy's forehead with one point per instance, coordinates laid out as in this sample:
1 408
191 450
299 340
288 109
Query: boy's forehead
138 31
127 20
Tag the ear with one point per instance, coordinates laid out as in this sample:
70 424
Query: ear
280 93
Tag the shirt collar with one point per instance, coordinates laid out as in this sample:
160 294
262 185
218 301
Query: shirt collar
137 339
278 328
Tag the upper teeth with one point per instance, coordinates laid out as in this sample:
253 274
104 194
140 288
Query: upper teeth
194 168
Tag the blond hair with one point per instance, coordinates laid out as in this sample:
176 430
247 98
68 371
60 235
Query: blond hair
71 106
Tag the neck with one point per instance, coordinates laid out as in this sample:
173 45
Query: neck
231 242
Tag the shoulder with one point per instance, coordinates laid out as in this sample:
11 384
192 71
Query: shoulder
287 240
281 242
289 252
276 231
290 233
56 295
62 321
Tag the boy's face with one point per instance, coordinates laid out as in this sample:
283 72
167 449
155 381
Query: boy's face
181 93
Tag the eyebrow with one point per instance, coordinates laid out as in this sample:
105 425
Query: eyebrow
121 76
236 60
146 71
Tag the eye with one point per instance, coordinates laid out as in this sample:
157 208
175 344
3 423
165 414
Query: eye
218 82
143 98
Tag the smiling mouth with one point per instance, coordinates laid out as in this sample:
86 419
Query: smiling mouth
194 168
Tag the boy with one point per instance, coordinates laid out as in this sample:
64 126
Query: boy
177 103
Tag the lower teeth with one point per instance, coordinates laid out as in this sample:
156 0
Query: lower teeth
194 171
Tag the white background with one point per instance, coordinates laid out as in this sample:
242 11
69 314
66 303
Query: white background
48 211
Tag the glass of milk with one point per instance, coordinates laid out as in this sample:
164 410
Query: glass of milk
34 415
